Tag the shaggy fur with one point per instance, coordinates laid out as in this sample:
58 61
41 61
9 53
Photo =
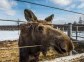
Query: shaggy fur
41 32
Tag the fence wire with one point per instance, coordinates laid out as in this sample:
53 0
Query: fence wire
20 47
48 6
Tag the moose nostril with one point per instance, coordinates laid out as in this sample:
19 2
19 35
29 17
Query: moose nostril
40 28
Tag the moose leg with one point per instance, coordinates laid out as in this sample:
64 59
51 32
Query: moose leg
23 56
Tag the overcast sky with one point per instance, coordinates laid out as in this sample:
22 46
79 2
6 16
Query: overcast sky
10 9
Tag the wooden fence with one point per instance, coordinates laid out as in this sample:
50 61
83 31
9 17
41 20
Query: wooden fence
64 27
71 27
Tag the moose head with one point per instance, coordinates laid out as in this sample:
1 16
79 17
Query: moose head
41 32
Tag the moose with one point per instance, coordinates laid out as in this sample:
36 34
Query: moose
41 32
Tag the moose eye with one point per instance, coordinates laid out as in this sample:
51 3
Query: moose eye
29 27
40 28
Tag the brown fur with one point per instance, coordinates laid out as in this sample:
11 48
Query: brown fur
41 32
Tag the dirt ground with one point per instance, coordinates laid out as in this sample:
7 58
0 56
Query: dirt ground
12 55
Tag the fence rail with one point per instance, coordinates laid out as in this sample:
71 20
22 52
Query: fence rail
11 20
78 36
73 58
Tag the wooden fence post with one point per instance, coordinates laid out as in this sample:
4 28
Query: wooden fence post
77 33
70 30
62 28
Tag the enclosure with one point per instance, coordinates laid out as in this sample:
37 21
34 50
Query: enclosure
9 31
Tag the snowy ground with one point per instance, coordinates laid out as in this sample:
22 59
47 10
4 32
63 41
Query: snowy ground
9 35
13 35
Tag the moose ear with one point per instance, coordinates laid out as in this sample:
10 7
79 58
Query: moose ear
49 18
29 15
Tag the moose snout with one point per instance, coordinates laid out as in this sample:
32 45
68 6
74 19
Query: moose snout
59 45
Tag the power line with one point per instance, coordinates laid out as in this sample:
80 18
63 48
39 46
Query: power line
49 6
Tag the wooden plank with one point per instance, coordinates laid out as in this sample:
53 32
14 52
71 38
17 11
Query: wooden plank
72 58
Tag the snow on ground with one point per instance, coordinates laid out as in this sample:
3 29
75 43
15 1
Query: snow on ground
9 35
14 35
72 58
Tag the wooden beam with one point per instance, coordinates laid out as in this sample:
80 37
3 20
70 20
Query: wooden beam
72 58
